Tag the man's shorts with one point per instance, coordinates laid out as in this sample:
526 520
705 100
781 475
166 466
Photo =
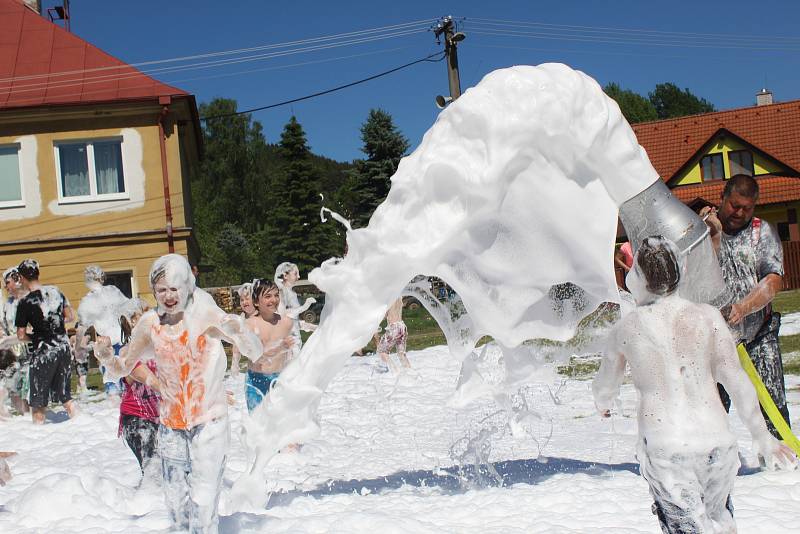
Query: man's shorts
49 375
256 387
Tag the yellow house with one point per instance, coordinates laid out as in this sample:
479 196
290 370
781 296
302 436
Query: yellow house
695 155
95 158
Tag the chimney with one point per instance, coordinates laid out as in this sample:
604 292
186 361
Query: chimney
34 5
764 97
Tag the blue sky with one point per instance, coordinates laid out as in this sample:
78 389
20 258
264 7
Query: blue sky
739 47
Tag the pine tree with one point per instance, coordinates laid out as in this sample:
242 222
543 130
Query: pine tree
294 231
368 183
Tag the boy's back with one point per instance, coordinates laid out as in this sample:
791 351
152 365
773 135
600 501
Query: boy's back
672 348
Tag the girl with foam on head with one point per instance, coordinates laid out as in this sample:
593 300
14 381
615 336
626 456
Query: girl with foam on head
183 334
286 276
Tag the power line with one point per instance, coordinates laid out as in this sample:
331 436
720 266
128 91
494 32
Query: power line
38 86
422 23
622 40
236 73
606 29
327 91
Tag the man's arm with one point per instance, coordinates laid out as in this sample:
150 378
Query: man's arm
709 215
608 380
727 370
761 295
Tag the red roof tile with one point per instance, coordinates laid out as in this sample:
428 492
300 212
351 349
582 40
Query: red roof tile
41 63
772 189
774 129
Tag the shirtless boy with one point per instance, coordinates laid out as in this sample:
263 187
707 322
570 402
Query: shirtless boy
274 331
677 352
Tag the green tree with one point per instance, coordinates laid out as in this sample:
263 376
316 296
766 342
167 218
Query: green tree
294 231
634 106
369 181
670 102
226 193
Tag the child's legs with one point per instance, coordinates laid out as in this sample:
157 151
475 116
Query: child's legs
140 435
254 390
721 467
207 451
256 387
677 493
173 446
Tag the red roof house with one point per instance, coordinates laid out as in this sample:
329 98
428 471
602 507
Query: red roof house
95 158
695 155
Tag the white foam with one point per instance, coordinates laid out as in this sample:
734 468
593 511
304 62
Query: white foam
513 190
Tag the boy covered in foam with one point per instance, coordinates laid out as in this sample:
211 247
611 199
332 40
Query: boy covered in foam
275 332
183 335
101 308
677 352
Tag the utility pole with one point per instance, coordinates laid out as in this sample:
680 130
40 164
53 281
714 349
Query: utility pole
446 27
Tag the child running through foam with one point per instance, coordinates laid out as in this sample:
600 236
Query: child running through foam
394 336
677 352
138 409
15 375
275 333
45 310
286 276
183 335
101 308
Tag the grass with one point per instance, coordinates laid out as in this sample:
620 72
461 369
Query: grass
423 332
787 301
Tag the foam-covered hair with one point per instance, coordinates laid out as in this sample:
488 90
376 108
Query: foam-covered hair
9 272
283 268
175 269
245 290
657 269
94 273
29 269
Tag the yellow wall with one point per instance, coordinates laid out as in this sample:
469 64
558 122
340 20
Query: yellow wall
724 144
64 267
93 218
72 236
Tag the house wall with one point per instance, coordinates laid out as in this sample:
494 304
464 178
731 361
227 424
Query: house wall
779 214
45 216
63 266
761 165
120 235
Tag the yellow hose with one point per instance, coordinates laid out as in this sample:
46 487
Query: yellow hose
766 401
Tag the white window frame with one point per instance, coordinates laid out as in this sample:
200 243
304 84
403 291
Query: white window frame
93 196
21 202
